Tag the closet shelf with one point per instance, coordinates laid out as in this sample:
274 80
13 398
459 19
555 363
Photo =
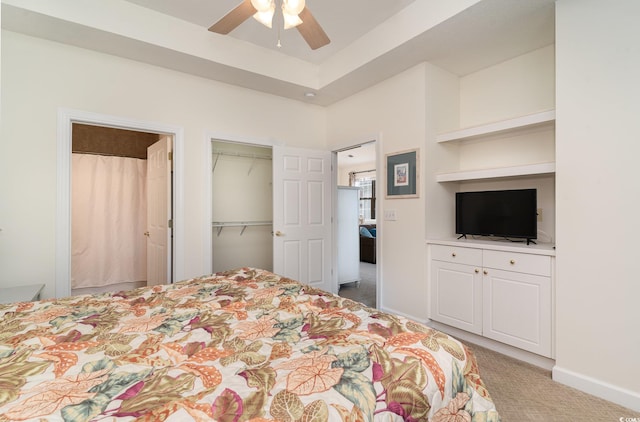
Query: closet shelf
544 118
494 173
254 157
244 224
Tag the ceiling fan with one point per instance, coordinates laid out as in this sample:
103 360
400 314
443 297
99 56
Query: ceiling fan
294 12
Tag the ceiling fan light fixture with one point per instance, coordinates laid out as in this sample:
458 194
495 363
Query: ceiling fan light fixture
265 17
290 21
292 7
263 5
294 13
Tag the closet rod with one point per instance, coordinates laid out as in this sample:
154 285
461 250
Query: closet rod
240 223
244 224
239 154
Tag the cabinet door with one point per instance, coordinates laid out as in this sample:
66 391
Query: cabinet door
517 310
456 295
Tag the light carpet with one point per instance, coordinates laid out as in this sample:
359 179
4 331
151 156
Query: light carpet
521 392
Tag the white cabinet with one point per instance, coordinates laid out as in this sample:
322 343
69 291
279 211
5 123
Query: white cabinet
456 287
517 300
348 235
503 295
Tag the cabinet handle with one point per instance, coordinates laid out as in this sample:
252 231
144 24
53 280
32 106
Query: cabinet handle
477 271
485 272
513 261
453 254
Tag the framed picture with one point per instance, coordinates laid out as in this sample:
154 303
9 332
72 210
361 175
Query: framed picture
402 174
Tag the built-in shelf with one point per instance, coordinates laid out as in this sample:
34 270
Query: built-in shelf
491 129
495 173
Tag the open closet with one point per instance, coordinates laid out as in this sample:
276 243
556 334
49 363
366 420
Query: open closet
242 206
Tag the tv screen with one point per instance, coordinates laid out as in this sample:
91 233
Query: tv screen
504 213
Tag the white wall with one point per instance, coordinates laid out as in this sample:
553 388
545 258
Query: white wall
39 76
598 197
522 85
395 109
442 114
516 87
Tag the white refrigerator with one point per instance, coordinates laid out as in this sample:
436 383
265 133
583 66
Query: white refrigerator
348 235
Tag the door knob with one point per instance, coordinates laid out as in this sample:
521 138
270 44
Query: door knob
279 233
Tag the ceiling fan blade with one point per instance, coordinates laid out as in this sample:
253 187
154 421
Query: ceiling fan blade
311 30
233 19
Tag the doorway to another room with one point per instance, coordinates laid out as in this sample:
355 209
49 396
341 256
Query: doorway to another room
357 230
121 209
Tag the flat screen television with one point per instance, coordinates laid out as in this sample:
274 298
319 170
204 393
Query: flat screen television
500 213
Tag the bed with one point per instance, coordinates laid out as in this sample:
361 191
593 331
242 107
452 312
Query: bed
243 345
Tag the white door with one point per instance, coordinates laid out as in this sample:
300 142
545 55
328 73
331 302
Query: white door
302 215
159 212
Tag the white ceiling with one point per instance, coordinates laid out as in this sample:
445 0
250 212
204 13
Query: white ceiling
371 40
342 20
358 156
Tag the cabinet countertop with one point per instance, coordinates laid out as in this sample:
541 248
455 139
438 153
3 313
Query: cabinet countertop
498 245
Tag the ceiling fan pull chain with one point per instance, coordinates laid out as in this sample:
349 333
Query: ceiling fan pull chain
279 45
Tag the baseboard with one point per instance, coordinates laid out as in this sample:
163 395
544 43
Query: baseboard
505 349
402 314
626 398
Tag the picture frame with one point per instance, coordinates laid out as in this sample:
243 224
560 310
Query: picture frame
402 173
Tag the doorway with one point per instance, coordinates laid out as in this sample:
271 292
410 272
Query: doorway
113 211
68 117
301 231
241 206
358 169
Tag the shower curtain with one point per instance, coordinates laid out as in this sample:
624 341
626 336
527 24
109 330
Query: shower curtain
109 219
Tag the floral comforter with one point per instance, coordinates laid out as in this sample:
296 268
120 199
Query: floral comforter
245 345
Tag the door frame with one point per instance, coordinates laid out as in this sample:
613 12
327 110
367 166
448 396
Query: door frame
377 138
66 117
207 207
207 247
